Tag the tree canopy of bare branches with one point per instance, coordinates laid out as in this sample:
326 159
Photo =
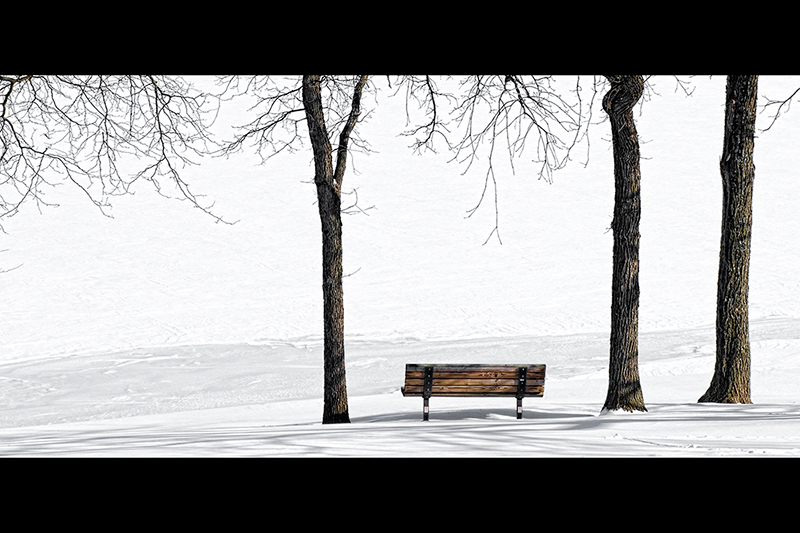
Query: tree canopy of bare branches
477 116
100 133
277 109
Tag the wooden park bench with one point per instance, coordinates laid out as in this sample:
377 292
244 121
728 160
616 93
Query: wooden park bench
454 380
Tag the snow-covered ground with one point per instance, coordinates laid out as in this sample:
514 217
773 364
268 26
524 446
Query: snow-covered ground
160 333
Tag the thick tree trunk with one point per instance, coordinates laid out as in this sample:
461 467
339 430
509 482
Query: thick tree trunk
329 188
335 409
335 401
624 388
731 380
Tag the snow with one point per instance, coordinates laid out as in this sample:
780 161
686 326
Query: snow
160 333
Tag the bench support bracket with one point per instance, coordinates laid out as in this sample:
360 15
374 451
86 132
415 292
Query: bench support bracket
427 389
522 377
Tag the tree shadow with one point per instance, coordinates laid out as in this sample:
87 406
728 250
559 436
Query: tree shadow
564 430
453 414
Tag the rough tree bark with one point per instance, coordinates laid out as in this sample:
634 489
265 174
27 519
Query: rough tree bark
328 182
731 380
624 388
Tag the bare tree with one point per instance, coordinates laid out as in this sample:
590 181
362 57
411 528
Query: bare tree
327 105
88 130
731 380
329 189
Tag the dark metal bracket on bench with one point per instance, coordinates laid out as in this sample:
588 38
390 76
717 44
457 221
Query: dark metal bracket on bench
427 390
522 373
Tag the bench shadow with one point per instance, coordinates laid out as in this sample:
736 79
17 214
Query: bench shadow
468 414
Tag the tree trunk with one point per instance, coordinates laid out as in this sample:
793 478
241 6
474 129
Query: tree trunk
329 187
624 388
335 407
731 380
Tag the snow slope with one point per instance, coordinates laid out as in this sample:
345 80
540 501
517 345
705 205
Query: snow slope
160 333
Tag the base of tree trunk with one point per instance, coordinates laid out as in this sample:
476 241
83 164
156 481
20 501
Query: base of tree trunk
627 408
630 404
605 411
340 418
704 399
733 397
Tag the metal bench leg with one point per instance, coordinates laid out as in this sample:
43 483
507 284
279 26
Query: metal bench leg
427 388
522 378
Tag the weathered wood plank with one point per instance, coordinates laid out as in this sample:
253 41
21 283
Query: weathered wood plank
530 390
464 381
529 385
473 382
475 375
511 373
474 392
415 367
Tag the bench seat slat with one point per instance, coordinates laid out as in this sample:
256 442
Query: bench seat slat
466 368
473 382
478 374
475 375
530 390
477 395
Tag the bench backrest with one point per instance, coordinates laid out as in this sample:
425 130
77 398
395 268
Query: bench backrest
474 380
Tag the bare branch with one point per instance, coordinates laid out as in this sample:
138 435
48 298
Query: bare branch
519 110
782 106
683 85
87 130
278 108
354 208
347 130
430 99
280 122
